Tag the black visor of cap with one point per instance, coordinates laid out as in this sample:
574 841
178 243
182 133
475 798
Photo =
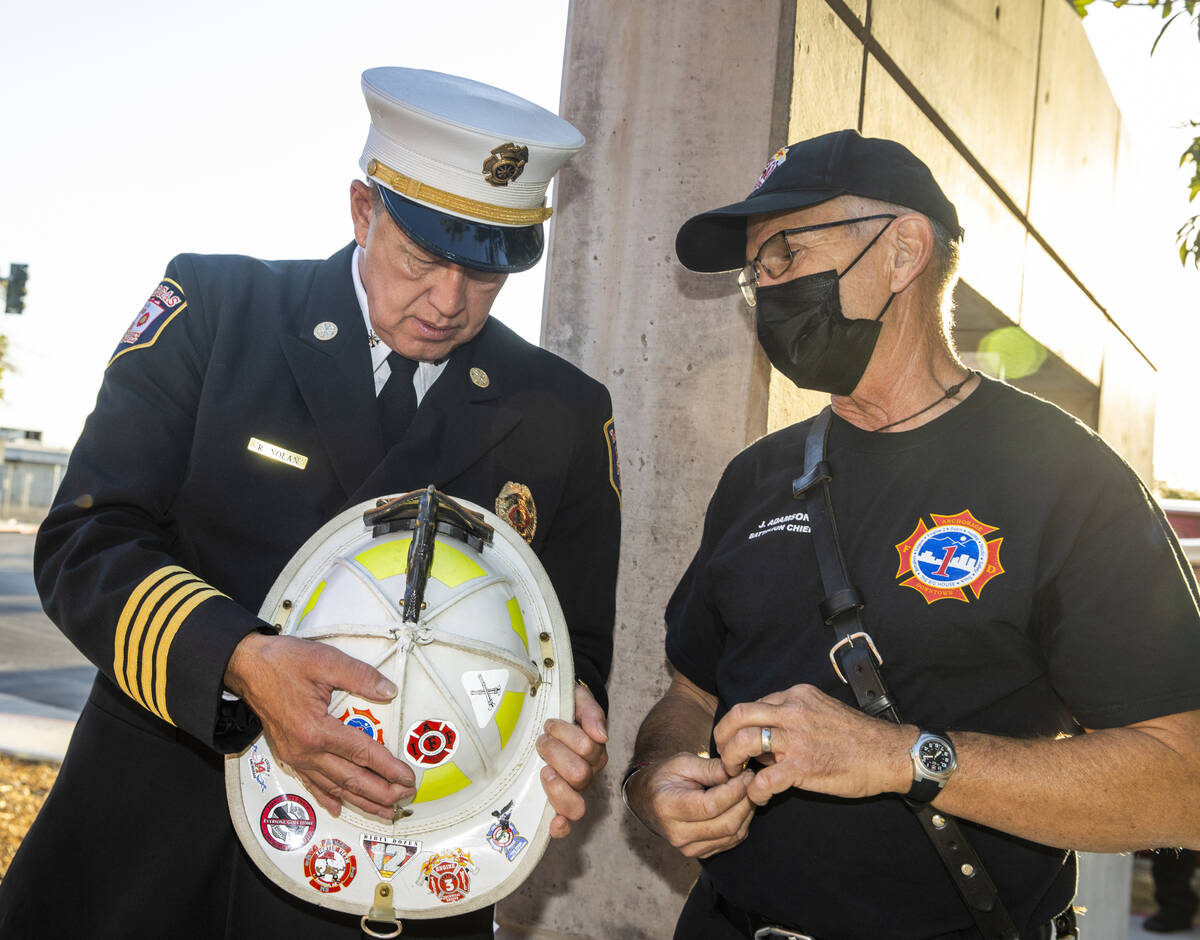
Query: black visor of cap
475 245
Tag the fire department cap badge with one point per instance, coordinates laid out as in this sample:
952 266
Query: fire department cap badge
516 507
941 562
506 164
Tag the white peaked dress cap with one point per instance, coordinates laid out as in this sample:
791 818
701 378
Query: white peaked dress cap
485 664
462 163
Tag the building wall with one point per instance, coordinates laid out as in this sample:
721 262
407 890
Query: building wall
682 102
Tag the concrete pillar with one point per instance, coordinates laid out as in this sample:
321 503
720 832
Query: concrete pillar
677 100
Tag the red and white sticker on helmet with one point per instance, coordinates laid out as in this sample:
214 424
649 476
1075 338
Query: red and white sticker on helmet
330 866
431 742
287 822
447 875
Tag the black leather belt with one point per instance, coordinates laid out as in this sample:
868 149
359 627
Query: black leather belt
749 923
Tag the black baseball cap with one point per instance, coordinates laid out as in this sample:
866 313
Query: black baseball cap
808 173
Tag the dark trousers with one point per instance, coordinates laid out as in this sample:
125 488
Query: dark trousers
1172 870
706 915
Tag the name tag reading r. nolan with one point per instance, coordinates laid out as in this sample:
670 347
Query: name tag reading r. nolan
275 452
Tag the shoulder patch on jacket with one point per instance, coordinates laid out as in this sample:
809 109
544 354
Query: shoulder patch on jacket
614 465
166 301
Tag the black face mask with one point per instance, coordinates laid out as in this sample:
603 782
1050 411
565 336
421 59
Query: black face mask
806 337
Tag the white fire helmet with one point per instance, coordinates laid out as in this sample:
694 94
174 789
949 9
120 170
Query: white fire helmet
449 602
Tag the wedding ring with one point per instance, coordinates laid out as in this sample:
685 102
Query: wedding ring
766 740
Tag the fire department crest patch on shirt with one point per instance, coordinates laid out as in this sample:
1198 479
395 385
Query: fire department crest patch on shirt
951 558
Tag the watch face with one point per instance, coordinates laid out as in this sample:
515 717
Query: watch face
936 757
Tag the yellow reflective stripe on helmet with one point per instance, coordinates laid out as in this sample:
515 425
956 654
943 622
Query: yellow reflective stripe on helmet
518 621
386 560
508 713
127 643
312 600
438 782
164 646
450 566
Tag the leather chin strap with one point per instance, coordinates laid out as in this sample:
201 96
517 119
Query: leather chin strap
856 661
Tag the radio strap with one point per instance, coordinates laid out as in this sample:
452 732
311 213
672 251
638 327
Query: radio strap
856 661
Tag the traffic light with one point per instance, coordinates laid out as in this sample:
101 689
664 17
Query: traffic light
18 274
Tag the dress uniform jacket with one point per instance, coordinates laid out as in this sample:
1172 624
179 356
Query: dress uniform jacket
172 524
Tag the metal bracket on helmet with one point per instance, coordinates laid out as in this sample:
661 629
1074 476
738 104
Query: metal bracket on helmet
423 511
450 518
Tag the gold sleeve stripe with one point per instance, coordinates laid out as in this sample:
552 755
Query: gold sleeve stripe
131 605
164 646
150 676
137 632
146 629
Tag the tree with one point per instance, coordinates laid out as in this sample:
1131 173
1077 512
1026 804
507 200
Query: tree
1188 236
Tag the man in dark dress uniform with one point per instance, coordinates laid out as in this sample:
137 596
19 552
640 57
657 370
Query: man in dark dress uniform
247 404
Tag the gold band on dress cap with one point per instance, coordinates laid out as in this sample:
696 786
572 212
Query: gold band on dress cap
484 211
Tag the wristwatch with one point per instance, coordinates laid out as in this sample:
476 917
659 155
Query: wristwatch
933 761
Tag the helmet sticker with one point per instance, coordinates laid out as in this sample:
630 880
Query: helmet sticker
329 866
364 721
431 742
389 855
288 822
448 875
503 835
485 690
260 767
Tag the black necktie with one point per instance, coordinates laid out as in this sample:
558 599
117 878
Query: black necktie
398 399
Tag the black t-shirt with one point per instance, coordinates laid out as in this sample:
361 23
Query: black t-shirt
1018 580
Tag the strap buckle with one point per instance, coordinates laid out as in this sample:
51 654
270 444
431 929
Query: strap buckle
849 641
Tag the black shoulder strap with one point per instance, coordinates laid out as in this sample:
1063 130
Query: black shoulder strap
857 662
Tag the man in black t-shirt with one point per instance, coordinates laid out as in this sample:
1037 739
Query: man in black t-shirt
1017 582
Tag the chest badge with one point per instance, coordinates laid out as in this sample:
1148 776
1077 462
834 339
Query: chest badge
952 557
515 506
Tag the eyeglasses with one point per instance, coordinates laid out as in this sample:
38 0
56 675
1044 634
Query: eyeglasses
775 255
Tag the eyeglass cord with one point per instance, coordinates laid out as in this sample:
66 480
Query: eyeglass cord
949 393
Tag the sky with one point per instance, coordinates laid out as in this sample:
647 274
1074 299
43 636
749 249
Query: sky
134 130
1157 95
